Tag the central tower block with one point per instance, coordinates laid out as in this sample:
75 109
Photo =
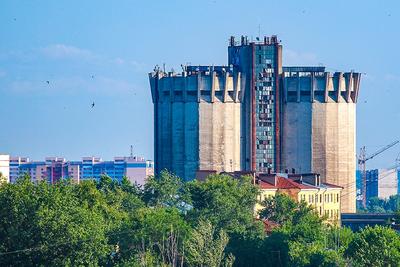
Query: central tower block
260 62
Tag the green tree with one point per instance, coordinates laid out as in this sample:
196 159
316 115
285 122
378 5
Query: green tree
44 224
301 238
313 254
206 246
376 205
279 209
393 203
228 204
158 231
339 238
379 205
375 246
163 190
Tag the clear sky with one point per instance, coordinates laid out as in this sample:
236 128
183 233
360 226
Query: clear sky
101 51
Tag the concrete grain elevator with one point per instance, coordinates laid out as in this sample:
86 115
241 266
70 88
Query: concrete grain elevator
255 115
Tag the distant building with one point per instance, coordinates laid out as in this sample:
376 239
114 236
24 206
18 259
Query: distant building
382 183
324 197
256 115
5 167
15 163
54 169
135 168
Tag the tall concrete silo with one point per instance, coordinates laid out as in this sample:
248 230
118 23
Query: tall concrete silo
197 119
319 126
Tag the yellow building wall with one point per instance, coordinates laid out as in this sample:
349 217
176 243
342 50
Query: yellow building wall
264 194
326 201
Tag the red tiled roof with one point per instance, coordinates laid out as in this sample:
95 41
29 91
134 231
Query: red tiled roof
283 183
269 225
265 185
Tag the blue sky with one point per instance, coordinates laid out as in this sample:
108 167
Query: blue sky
101 51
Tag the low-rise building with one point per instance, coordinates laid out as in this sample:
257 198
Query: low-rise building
136 169
324 197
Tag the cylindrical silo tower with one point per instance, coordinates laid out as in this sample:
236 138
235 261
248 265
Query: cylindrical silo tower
197 120
319 126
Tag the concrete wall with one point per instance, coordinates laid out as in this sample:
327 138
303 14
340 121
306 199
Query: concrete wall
382 183
219 136
297 140
197 121
387 183
136 175
319 128
334 154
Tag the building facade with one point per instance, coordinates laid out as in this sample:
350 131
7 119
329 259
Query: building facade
323 197
261 65
54 169
318 126
5 167
382 183
255 115
197 119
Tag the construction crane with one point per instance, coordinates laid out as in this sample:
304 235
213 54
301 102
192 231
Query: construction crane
362 159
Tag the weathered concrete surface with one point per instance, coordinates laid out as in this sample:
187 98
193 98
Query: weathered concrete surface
219 136
197 121
334 153
319 128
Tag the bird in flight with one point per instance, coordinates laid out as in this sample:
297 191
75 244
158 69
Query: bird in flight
92 76
93 105
48 82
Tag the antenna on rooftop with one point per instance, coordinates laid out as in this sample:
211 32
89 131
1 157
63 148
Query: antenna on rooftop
131 151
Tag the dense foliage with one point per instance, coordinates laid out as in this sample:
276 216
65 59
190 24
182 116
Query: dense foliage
379 205
171 223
